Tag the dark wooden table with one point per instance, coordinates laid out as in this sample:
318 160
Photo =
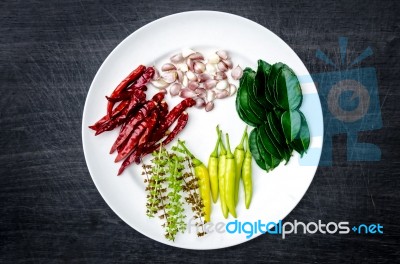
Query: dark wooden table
50 209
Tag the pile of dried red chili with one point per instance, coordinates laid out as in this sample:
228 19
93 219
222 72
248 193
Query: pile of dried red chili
144 124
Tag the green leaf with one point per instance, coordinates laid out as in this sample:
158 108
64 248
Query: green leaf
288 91
278 136
247 102
260 87
302 142
266 141
271 87
270 160
291 123
252 120
254 149
247 98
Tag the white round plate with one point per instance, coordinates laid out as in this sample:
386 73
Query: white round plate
275 193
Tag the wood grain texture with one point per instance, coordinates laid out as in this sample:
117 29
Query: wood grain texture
50 209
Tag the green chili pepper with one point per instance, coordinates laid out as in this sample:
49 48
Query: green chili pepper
239 157
213 169
201 172
247 174
221 175
230 172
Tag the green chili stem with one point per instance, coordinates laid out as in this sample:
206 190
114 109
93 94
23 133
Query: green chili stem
240 146
221 144
182 143
229 154
215 152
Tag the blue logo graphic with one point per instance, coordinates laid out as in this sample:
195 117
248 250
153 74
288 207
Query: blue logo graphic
350 104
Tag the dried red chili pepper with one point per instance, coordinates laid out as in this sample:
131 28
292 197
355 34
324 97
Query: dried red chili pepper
105 118
137 99
131 157
163 110
182 122
133 141
133 76
123 96
158 97
143 79
171 117
163 127
131 124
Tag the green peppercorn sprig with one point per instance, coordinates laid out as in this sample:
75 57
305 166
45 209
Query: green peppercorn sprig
170 183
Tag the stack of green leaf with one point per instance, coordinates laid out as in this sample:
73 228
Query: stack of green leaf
269 100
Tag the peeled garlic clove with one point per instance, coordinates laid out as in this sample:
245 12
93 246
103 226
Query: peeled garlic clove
187 52
228 63
193 85
175 89
220 76
209 106
183 67
211 68
176 58
232 89
201 91
156 74
160 83
199 67
168 67
196 56
169 77
185 81
210 96
223 54
202 95
199 102
237 73
209 84
190 64
222 85
187 93
191 76
222 67
179 75
203 77
214 58
222 94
